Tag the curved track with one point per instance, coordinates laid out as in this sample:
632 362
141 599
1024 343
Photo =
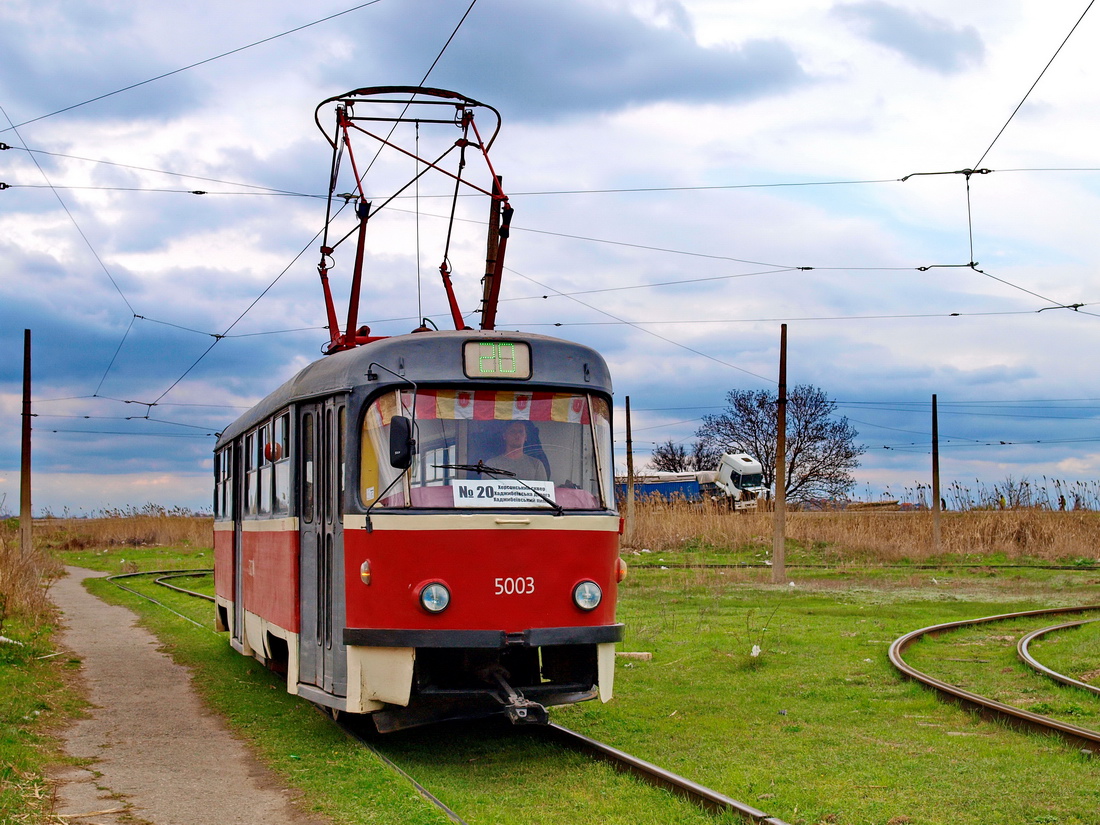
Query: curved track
1034 664
704 797
162 580
982 703
165 574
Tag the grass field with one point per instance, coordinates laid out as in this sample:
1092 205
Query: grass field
816 728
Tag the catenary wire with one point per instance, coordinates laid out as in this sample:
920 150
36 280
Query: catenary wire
971 256
1054 304
193 65
72 217
648 331
320 232
131 434
1033 85
238 319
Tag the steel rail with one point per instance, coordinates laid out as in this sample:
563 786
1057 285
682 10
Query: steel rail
192 574
648 772
1029 660
706 798
350 731
165 573
759 565
981 703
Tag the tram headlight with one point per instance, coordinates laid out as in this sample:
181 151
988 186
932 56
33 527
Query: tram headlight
587 595
435 597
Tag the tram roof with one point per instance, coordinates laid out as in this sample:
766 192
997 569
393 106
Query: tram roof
428 358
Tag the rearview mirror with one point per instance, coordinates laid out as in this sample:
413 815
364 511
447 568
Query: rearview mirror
402 444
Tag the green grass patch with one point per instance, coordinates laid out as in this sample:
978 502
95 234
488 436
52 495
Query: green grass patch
36 694
819 725
815 728
487 772
1075 653
339 778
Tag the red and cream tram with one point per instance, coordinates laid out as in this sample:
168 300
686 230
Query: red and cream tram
423 527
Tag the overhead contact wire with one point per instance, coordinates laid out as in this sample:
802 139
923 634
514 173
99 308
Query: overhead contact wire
1033 85
248 309
649 332
193 65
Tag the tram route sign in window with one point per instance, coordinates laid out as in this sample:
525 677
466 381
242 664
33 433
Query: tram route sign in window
497 359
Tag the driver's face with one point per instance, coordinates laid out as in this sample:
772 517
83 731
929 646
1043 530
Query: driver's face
515 436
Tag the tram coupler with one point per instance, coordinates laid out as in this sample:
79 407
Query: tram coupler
519 710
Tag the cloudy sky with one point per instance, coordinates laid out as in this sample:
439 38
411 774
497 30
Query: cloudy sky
686 176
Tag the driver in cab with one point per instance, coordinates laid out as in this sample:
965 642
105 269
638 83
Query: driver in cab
514 459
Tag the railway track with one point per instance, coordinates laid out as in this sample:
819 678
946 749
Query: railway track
1034 721
759 565
1025 654
648 772
693 792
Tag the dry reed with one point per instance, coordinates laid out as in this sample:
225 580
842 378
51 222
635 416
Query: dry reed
134 530
25 578
873 536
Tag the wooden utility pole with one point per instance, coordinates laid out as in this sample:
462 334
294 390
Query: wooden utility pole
935 476
25 453
779 545
628 532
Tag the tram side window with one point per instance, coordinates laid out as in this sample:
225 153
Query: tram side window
250 472
341 457
376 476
307 468
601 418
227 483
279 450
223 484
263 461
217 486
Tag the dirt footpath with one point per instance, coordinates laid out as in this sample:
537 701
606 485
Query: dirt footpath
160 756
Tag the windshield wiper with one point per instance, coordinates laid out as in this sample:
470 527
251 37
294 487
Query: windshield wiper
482 467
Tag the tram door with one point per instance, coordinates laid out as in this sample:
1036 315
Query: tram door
322 435
235 506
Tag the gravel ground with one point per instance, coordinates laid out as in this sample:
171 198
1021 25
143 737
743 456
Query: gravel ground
158 755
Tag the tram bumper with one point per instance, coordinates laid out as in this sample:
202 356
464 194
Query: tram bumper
412 677
500 639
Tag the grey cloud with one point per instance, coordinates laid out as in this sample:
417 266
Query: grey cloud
62 55
919 37
543 60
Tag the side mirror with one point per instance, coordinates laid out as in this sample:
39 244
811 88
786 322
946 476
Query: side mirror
402 444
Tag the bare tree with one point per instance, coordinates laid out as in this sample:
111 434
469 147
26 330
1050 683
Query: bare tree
704 456
821 450
675 458
670 458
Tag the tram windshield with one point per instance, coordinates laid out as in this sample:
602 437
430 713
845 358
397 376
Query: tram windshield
491 449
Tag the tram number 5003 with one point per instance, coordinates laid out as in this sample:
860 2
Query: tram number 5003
518 586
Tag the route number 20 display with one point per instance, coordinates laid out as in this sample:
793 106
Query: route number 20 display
518 586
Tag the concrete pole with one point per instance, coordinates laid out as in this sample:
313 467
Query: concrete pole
779 545
628 533
936 537
25 453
